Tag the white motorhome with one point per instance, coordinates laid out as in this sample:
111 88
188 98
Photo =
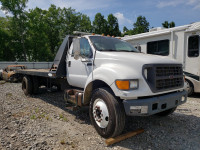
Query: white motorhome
181 43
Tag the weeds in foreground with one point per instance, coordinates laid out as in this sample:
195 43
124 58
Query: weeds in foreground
62 117
9 94
37 114
62 142
33 117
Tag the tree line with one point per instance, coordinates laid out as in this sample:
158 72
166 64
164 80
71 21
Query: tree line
36 34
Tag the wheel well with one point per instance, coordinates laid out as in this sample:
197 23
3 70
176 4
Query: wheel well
190 82
91 87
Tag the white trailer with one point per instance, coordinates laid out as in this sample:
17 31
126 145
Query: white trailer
181 43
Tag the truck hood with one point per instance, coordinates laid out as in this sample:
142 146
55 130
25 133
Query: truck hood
111 66
135 58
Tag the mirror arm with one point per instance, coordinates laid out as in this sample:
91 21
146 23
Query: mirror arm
85 60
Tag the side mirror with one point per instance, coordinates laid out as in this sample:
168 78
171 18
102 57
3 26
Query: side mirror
76 48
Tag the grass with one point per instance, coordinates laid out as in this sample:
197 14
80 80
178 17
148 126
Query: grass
65 119
48 118
62 142
33 117
37 114
73 145
9 94
61 116
37 110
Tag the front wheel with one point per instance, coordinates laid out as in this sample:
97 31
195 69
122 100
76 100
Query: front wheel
190 87
106 113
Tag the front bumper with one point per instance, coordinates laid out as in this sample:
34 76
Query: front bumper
153 105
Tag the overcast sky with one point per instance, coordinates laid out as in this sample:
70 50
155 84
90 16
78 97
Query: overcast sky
156 11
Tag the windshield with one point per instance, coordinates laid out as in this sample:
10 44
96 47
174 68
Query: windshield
103 43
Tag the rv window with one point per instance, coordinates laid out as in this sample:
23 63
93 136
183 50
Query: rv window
158 47
193 46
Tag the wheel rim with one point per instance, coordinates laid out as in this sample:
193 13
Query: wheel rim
100 113
188 87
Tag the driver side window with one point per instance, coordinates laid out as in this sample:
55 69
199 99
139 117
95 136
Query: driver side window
86 50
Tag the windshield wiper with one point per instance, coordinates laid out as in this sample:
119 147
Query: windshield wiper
108 50
113 50
125 51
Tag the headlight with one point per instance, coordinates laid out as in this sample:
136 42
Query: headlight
127 84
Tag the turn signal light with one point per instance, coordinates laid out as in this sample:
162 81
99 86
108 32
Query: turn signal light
123 85
127 84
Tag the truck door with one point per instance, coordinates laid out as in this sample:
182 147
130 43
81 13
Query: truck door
79 70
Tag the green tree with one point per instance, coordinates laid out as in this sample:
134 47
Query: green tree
141 25
84 23
125 29
17 9
39 47
100 24
69 21
36 35
113 26
53 28
167 24
6 49
172 24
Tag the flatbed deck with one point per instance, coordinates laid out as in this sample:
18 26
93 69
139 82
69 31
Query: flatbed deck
34 72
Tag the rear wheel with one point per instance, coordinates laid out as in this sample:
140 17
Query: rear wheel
190 87
107 113
166 112
27 85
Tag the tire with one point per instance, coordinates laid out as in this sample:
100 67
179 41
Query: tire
27 85
190 87
166 112
106 113
13 79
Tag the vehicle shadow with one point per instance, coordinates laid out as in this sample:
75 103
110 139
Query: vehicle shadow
56 98
195 95
176 131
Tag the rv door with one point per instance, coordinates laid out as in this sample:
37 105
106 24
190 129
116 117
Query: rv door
192 54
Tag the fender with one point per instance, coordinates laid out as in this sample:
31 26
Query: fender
194 82
107 74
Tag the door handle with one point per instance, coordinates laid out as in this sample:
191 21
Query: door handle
89 64
69 63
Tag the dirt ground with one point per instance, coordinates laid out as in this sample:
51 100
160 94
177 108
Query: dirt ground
43 122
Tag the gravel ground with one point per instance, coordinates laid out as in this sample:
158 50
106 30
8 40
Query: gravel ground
43 122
